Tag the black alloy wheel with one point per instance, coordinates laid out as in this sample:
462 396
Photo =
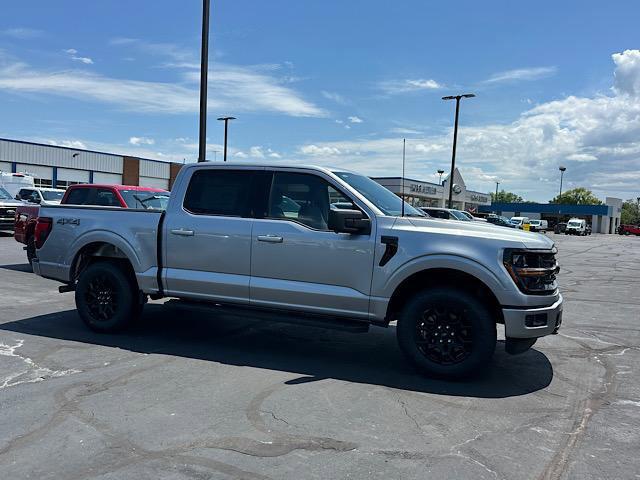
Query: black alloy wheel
446 332
101 297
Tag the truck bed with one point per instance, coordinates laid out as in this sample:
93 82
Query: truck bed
134 232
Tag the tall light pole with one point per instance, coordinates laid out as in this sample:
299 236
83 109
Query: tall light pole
440 172
497 183
226 126
562 170
204 71
455 140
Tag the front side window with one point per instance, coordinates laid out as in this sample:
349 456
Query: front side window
219 192
305 198
52 195
385 200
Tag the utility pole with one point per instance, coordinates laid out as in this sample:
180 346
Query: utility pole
497 183
457 98
204 71
562 170
226 126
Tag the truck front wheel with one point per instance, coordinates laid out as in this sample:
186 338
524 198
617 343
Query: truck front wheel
106 297
446 333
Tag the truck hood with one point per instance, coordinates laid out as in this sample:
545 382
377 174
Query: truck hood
482 230
10 203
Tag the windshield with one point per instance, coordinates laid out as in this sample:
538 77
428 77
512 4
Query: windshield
575 224
52 195
514 222
458 215
145 199
4 195
534 222
385 200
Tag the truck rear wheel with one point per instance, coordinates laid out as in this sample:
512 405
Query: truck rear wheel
446 333
106 297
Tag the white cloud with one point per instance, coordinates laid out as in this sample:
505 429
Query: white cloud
256 152
336 97
240 155
315 150
22 33
240 89
355 119
392 87
141 141
597 138
69 143
73 55
405 131
71 51
534 73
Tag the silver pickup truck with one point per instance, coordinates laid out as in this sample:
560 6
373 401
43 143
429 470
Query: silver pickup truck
310 245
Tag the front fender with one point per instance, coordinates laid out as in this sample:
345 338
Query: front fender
499 286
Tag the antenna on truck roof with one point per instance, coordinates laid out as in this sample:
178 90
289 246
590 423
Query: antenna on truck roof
404 145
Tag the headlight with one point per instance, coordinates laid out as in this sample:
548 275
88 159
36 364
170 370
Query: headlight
534 272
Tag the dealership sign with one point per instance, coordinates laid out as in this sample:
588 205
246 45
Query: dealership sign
475 197
418 188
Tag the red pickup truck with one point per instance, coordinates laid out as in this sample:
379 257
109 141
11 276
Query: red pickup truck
629 229
123 196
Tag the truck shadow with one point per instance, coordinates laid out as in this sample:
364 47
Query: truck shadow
313 353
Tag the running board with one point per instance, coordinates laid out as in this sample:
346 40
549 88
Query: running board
272 315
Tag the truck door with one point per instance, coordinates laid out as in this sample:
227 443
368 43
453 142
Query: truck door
297 263
207 237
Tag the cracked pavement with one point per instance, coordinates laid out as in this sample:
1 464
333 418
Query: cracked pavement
184 396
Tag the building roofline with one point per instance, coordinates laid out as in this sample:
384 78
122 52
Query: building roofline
25 142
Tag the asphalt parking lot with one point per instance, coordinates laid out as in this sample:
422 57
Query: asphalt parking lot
184 396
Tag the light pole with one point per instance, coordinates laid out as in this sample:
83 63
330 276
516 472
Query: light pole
204 70
497 183
440 172
226 126
562 170
457 98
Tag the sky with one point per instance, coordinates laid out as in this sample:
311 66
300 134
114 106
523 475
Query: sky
339 83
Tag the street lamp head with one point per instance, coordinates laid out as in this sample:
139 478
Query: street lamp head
562 169
440 172
468 95
450 97
227 118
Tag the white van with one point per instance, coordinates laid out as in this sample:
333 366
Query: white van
539 225
520 222
575 226
14 182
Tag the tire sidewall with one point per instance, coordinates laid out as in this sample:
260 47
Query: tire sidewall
125 291
484 332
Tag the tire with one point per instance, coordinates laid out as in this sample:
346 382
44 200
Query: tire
31 248
106 297
431 317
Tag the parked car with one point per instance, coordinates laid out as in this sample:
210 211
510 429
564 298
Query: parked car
576 226
8 208
560 227
41 196
122 196
471 217
629 230
588 229
500 221
13 182
538 225
520 222
446 213
265 241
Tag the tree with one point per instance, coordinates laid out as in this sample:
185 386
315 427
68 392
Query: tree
630 214
506 197
577 196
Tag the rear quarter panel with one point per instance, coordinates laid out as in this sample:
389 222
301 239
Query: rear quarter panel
133 232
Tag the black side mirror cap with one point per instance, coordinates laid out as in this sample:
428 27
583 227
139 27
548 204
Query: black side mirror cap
349 221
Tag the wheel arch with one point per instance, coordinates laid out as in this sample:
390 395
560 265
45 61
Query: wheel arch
443 277
100 250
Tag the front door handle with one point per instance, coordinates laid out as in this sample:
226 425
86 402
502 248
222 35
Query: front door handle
270 238
183 232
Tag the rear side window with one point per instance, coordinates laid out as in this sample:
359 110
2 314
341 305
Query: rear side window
218 192
79 196
106 198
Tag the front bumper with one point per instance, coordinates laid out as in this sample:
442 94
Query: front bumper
517 321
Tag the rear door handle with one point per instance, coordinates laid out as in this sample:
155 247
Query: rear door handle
270 238
183 232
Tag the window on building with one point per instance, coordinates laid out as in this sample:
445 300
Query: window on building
42 182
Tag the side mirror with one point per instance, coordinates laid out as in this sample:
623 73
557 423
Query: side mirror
17 197
36 200
349 221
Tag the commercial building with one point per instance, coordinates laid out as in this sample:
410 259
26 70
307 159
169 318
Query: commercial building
427 194
55 166
602 218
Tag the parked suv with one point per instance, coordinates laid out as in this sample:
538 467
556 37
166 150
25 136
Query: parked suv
446 213
278 243
8 208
